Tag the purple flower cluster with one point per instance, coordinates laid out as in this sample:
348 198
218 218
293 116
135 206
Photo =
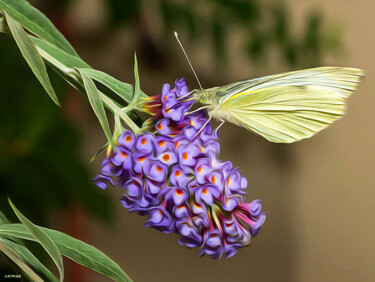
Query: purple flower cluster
174 176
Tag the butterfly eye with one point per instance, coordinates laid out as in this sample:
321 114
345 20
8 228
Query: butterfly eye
203 99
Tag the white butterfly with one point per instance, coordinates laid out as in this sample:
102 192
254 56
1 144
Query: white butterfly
282 108
287 107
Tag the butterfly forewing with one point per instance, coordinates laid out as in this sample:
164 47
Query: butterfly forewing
287 107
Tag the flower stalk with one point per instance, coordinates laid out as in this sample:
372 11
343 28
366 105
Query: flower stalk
122 113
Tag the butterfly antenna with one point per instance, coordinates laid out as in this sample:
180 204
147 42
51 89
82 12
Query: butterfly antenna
179 42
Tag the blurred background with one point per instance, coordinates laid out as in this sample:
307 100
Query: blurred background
319 194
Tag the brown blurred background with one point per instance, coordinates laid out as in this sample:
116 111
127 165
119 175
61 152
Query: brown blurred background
319 194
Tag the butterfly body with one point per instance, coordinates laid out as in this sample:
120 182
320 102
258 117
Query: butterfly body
287 107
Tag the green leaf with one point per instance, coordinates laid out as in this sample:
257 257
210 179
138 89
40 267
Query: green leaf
96 104
74 249
25 255
63 63
35 22
17 260
3 218
137 90
54 53
42 238
31 56
68 65
2 24
88 256
122 89
105 146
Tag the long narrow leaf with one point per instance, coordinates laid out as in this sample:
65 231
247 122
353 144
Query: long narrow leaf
105 146
122 89
69 64
42 238
17 260
58 57
63 63
31 56
3 218
137 89
96 104
35 22
2 23
58 54
24 254
74 249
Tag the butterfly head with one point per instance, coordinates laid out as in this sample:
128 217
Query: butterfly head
205 97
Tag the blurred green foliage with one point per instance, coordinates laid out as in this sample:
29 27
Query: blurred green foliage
40 164
263 24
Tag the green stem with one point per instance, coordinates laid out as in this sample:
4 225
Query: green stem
72 73
115 109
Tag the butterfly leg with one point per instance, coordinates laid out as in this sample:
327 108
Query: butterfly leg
191 103
177 104
197 110
186 95
217 128
204 125
183 101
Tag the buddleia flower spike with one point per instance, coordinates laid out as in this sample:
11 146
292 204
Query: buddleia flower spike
173 175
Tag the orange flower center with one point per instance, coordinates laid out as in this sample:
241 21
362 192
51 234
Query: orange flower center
205 191
124 155
159 169
184 156
161 143
143 141
166 157
159 126
178 173
179 192
128 138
